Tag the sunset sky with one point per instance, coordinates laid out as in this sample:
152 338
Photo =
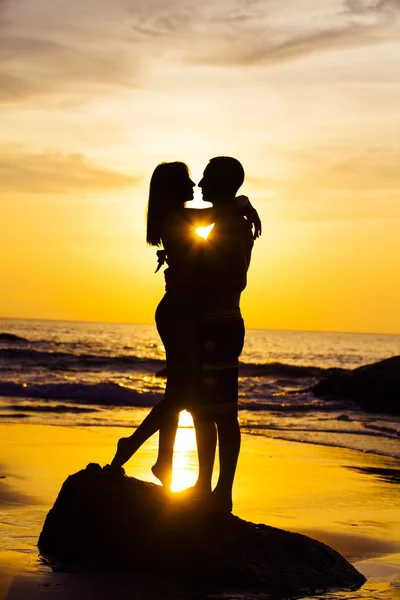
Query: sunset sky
306 94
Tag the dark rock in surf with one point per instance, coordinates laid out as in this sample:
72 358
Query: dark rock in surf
282 370
105 520
375 387
11 337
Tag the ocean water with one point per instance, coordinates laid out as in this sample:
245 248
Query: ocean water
94 374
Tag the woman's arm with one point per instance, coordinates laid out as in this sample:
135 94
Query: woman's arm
207 216
201 216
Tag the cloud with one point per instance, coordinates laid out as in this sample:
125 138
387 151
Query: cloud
257 181
36 67
259 53
55 173
77 50
263 42
373 169
359 186
334 183
13 88
69 50
340 168
381 9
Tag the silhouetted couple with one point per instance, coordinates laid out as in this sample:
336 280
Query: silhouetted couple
199 319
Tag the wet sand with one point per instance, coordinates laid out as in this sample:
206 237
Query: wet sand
344 498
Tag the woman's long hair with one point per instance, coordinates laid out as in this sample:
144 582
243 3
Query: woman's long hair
167 191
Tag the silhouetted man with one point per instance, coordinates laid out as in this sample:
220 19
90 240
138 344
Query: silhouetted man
223 270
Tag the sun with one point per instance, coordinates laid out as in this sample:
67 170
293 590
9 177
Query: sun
204 231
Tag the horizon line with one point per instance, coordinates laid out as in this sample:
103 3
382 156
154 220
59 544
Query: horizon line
153 324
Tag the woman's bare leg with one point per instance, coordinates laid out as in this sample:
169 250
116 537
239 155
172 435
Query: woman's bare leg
177 327
176 320
156 418
162 469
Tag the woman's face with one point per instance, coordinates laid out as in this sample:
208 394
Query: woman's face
187 189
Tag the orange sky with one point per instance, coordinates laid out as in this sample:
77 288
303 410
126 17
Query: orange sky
306 94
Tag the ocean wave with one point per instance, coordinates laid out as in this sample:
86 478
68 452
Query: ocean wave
31 358
297 405
378 445
101 394
258 427
43 408
383 430
287 371
112 394
25 357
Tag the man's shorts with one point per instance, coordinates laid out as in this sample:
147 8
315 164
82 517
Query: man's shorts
222 339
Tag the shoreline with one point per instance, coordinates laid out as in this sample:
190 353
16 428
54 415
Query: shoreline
247 430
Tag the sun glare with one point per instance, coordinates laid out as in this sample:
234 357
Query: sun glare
185 455
204 231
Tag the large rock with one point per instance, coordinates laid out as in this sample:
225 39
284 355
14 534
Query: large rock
376 387
105 520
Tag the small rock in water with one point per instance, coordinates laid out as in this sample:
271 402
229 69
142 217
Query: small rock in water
11 337
343 418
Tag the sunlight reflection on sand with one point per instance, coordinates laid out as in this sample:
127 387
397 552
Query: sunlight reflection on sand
185 460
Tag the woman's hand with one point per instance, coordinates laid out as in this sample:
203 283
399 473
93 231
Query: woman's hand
251 215
242 202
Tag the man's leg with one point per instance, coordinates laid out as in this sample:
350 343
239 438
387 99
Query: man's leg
229 448
223 338
206 438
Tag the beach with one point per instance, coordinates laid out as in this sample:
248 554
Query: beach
331 494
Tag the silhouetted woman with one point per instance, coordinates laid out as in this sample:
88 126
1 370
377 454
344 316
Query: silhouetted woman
171 225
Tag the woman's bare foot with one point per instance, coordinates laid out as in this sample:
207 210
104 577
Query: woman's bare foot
123 452
163 474
114 470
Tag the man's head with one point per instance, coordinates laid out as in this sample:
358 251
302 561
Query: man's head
221 180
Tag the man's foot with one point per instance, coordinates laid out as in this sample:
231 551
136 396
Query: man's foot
163 474
218 503
123 452
202 489
189 501
192 493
